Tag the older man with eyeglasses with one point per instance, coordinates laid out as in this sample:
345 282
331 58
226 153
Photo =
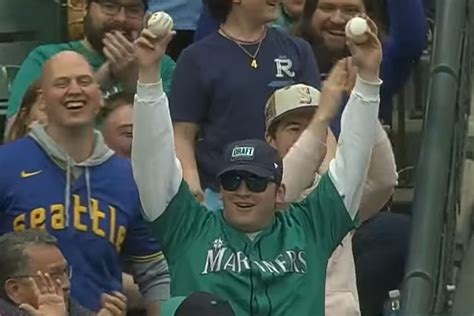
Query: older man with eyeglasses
110 27
34 277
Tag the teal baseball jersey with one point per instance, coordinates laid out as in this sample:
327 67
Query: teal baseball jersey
281 271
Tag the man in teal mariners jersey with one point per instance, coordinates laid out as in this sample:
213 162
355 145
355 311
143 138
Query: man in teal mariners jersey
63 178
262 261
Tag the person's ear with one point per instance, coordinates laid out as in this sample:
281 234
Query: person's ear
280 194
13 291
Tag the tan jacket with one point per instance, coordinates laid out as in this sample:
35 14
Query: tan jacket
301 171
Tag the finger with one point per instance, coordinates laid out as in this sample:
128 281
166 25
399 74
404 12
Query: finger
141 41
116 301
149 34
58 286
145 19
113 309
125 42
29 309
117 55
338 72
120 296
112 42
169 36
34 287
41 282
50 286
372 25
110 56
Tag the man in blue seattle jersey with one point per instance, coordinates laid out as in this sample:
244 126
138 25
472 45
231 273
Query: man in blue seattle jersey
64 179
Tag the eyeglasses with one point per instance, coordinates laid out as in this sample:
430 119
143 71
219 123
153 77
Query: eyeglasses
231 182
112 8
66 274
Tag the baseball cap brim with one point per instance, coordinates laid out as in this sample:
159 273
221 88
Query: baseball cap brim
301 108
169 307
252 169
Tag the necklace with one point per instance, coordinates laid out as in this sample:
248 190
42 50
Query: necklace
253 56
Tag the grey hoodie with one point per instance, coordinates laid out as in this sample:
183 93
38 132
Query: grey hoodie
152 277
74 170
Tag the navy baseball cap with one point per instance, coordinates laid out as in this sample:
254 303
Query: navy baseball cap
255 157
196 304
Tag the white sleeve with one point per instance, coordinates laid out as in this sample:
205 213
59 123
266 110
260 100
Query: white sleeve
348 171
156 168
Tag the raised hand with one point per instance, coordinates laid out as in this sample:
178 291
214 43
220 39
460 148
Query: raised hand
333 90
150 48
121 57
367 56
113 305
49 296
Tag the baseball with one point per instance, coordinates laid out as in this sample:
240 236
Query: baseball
160 22
356 29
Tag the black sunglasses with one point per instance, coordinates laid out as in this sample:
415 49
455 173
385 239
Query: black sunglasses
231 182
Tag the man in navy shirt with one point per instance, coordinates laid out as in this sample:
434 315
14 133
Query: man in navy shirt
222 83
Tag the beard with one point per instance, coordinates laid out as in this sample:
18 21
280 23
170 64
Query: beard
326 55
95 33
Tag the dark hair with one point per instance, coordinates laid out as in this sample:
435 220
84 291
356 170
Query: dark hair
218 9
19 127
145 3
375 9
112 103
14 260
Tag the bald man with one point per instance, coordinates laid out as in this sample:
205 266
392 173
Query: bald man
63 178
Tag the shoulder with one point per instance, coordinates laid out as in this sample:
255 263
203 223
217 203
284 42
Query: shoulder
121 167
20 155
280 35
202 47
17 149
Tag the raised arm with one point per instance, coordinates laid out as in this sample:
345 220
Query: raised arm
156 169
306 155
348 170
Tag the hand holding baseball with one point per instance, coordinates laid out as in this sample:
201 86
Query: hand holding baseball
150 48
160 23
367 53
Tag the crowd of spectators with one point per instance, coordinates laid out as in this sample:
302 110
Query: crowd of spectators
237 165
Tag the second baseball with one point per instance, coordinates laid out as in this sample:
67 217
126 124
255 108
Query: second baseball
160 22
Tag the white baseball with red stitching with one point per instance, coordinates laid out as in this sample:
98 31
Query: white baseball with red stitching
160 22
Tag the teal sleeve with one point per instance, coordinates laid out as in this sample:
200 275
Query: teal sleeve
325 214
167 69
30 71
181 223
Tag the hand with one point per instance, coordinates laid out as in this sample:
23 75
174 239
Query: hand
367 56
113 305
333 90
120 53
150 49
48 294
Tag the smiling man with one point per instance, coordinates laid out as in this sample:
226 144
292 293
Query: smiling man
110 27
262 261
63 178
